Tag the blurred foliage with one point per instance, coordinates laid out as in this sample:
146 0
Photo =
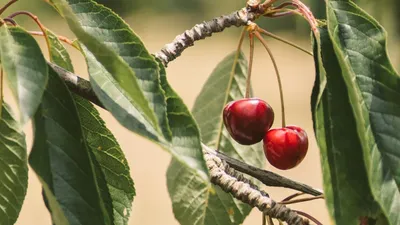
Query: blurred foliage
189 12
387 12
165 6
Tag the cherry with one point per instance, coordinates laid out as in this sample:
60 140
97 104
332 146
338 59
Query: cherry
247 120
285 147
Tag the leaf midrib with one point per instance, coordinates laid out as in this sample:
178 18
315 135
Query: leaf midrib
227 92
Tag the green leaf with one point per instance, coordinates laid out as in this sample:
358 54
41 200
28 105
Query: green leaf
188 193
346 189
58 53
116 101
185 145
374 90
64 163
111 159
57 214
132 73
111 166
13 167
25 67
109 42
194 199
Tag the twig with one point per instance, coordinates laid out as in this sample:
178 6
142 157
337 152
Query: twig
231 76
37 21
77 84
278 76
32 16
250 67
284 41
290 197
308 216
248 194
307 14
264 219
238 18
282 13
61 38
270 221
2 9
301 200
201 31
11 21
266 177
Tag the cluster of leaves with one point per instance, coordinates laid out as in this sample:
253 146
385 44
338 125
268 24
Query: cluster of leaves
83 171
356 113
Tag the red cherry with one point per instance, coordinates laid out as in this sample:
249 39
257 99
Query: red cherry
285 147
247 120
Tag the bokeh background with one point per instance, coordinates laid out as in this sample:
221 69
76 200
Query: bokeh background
157 22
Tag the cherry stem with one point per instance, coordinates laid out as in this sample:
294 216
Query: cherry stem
308 217
301 200
267 219
32 16
270 221
264 6
306 13
11 21
290 197
258 35
284 41
264 219
232 74
302 10
248 81
281 13
2 9
239 47
61 38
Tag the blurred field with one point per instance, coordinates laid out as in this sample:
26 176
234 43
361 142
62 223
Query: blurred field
187 74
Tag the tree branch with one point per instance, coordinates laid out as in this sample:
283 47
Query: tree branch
77 84
201 31
243 189
266 177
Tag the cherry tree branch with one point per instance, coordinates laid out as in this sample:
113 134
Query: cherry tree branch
203 30
264 176
76 84
241 188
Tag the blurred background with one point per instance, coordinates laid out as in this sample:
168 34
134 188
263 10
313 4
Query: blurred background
157 22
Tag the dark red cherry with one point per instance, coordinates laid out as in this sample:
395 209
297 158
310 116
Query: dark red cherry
248 119
285 147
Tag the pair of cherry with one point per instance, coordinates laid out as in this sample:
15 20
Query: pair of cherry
249 121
